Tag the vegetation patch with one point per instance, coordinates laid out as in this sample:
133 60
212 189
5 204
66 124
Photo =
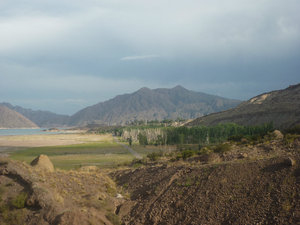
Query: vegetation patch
19 201
113 218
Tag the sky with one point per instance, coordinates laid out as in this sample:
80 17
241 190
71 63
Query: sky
63 55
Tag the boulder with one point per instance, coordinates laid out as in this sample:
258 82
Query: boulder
89 168
290 161
276 134
43 162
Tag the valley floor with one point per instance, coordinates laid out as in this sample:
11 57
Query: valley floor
50 139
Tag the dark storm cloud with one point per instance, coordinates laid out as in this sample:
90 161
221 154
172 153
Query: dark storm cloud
88 51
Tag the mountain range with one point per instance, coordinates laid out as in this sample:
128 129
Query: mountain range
144 104
152 104
282 107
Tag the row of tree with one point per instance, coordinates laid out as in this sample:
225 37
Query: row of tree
213 134
201 135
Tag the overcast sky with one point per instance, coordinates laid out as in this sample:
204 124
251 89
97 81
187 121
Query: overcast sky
63 55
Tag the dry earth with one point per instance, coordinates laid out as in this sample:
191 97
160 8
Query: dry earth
261 187
50 139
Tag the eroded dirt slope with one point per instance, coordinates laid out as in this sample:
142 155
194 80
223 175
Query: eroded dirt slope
242 191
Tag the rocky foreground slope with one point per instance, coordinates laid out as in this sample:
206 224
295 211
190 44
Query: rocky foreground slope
38 195
250 184
259 187
280 107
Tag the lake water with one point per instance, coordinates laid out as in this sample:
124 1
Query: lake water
6 132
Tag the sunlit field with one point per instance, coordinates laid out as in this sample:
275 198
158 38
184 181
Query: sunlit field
104 153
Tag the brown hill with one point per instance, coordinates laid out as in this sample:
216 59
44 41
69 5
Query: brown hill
12 119
281 107
40 117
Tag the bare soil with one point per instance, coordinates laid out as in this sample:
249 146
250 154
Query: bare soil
237 190
50 139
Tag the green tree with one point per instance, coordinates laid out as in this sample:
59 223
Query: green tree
142 139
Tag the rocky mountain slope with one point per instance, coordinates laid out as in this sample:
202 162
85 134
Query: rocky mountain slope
12 119
281 107
39 117
147 104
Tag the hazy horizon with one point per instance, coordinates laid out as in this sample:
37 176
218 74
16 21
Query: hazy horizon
62 56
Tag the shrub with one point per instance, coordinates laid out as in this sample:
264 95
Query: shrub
236 138
154 155
19 201
113 218
289 138
187 153
220 148
204 151
142 139
138 162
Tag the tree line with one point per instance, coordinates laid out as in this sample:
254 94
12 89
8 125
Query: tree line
203 134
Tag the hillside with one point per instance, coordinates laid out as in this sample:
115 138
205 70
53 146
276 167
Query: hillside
156 104
39 117
12 119
281 107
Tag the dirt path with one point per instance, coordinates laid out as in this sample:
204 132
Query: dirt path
134 153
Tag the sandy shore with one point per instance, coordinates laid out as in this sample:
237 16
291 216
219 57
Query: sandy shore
51 139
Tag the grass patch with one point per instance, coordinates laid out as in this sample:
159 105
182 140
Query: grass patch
104 155
101 160
113 218
146 150
19 201
87 148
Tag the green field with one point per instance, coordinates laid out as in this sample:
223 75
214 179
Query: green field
102 154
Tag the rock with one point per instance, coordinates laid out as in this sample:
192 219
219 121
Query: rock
242 155
43 162
119 196
277 135
290 161
89 168
211 158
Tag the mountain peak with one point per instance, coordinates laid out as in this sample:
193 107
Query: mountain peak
144 89
179 87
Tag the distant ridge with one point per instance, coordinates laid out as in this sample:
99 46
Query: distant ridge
12 119
152 104
281 107
39 117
